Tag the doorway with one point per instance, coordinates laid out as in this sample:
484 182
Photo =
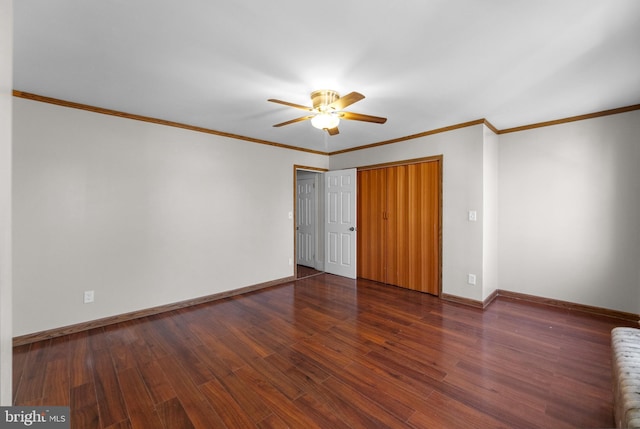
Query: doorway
325 221
309 221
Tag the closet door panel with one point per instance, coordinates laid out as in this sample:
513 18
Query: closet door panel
399 225
371 234
397 242
423 227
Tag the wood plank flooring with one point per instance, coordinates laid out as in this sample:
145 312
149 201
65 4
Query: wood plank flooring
330 352
303 272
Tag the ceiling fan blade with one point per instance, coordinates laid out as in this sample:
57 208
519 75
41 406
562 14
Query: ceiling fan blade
286 103
360 117
293 121
332 131
347 100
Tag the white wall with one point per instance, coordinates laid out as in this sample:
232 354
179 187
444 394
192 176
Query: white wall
143 214
462 182
147 215
6 87
558 209
569 202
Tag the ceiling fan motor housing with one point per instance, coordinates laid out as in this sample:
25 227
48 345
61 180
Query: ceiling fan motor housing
323 98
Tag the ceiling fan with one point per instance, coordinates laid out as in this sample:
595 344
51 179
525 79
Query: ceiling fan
327 110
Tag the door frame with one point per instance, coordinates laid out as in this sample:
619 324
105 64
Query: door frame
297 168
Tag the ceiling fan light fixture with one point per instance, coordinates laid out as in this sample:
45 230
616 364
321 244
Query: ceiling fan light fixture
325 121
328 109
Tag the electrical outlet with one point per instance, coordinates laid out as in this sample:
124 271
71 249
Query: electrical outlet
471 279
88 296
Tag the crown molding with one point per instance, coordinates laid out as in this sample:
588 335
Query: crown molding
80 106
483 121
571 119
413 136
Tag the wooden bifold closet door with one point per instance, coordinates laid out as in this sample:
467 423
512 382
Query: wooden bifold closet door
399 225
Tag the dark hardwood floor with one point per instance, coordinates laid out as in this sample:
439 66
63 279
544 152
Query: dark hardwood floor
328 352
303 272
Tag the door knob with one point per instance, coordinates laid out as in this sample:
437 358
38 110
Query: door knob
352 229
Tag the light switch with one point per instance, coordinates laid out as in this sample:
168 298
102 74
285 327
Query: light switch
290 215
473 216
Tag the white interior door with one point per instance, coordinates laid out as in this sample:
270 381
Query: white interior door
305 222
340 222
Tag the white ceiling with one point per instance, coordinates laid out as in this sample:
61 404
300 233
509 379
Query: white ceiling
423 64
